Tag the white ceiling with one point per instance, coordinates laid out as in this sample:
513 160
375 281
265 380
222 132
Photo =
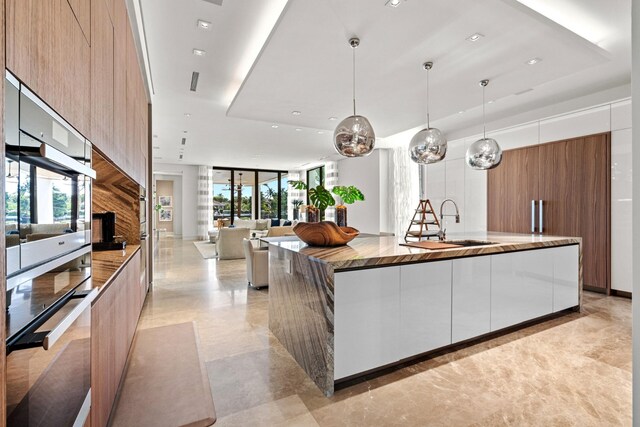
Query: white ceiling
305 65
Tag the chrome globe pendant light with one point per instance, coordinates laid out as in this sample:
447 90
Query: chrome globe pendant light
485 153
429 145
354 136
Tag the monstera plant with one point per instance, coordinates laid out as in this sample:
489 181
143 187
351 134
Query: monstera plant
319 197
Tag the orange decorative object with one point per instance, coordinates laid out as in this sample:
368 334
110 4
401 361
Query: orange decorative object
324 233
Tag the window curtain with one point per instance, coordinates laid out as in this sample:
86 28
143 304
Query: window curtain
205 202
403 190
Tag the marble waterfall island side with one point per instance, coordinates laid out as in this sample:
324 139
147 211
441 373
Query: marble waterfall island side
345 311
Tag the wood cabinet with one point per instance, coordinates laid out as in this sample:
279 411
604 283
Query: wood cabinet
114 316
572 178
512 186
47 50
3 280
83 10
102 81
425 307
80 57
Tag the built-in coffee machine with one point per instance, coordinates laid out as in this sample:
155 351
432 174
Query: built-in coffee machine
104 236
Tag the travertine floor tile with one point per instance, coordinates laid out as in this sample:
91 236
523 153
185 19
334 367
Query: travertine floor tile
572 370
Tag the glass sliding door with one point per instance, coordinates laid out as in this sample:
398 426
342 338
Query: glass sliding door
284 196
243 186
268 191
221 194
249 193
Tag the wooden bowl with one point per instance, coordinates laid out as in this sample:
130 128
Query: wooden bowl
325 233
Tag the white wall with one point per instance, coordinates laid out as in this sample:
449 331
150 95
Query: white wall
369 174
185 190
453 179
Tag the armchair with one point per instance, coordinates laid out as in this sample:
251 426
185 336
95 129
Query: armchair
229 242
257 264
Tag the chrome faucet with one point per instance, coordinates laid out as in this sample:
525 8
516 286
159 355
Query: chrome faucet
442 232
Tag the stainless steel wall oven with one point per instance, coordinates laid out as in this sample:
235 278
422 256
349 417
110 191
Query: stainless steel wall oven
48 248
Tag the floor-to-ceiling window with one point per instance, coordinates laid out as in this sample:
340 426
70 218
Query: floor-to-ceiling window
249 193
315 177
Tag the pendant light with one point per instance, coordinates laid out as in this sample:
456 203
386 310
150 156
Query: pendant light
429 145
485 153
354 136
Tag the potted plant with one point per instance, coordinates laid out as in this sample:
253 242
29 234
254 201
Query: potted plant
349 195
319 197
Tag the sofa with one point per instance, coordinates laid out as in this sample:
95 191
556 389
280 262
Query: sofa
261 227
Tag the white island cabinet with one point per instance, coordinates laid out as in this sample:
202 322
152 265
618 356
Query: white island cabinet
425 307
342 312
471 298
366 319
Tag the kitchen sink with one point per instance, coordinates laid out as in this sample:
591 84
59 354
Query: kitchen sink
468 243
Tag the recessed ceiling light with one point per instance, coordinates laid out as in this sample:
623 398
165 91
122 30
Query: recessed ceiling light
491 102
204 25
296 113
199 52
320 132
298 129
332 118
187 115
274 126
460 112
533 61
393 3
475 37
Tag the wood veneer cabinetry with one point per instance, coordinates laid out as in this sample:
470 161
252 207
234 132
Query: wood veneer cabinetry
47 50
3 281
573 179
114 316
102 106
80 57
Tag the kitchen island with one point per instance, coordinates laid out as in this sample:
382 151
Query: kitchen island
345 311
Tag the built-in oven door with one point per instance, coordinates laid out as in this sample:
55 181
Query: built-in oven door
49 368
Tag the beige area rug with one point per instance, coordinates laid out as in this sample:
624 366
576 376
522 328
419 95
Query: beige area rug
165 383
206 249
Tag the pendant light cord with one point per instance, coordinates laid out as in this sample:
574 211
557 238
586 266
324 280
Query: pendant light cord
428 125
354 80
484 121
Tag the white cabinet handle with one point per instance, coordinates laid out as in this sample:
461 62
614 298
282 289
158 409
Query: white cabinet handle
541 220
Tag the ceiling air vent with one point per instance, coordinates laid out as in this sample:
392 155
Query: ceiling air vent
194 80
523 91
218 2
184 141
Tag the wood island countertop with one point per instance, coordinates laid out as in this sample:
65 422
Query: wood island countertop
366 252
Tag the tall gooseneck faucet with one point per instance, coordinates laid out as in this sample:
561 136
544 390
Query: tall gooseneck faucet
442 231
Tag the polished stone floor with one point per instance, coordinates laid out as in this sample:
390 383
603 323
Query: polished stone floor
573 370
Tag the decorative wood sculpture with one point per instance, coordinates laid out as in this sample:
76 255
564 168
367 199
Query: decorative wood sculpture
324 233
